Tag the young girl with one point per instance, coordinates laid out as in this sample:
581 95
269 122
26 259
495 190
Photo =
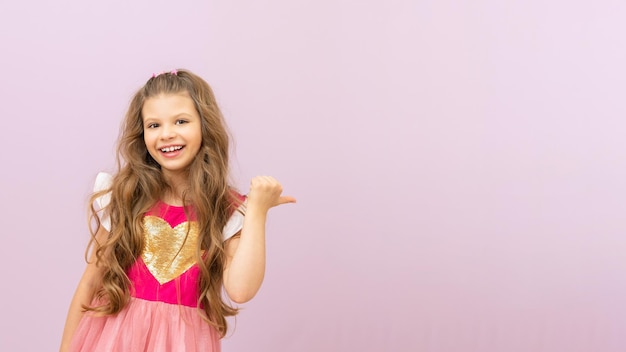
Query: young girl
171 234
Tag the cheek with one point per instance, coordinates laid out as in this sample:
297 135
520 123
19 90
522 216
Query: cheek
198 144
148 138
197 137
149 142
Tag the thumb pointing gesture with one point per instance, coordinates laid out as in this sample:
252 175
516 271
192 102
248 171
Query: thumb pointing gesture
265 192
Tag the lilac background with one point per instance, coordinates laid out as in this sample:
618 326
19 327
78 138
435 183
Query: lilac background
459 165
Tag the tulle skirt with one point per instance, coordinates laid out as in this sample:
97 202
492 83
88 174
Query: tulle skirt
146 326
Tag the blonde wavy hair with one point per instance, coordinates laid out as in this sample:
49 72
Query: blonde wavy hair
139 184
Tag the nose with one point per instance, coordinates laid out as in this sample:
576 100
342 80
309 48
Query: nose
167 132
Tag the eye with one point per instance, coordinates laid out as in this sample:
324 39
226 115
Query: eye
181 121
152 125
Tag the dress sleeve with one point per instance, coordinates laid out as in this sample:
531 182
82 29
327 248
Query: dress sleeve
235 222
103 181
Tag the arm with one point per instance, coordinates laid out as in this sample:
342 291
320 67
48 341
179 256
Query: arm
245 254
87 286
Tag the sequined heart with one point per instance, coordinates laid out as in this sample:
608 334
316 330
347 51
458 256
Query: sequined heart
169 252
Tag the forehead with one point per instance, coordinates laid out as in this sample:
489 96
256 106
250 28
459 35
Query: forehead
168 105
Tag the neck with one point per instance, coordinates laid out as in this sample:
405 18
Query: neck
178 184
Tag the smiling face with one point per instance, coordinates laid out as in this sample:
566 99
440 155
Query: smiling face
172 132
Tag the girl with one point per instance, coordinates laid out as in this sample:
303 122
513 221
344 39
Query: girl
170 232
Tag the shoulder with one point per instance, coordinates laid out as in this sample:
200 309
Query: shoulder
237 198
102 192
237 202
103 181
238 211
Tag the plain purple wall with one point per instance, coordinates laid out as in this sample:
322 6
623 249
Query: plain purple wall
459 165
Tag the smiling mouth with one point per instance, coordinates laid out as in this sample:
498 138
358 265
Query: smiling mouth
171 149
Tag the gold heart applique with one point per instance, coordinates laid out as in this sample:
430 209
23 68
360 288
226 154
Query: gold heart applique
169 252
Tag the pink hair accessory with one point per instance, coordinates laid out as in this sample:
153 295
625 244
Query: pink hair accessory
173 72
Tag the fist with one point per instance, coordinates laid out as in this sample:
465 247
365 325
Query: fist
266 192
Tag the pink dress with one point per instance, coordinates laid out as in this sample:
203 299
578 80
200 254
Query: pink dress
162 314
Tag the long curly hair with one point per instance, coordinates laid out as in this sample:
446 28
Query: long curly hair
139 184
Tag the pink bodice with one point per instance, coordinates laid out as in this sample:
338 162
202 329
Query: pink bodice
167 270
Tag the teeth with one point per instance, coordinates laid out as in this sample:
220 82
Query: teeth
171 149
